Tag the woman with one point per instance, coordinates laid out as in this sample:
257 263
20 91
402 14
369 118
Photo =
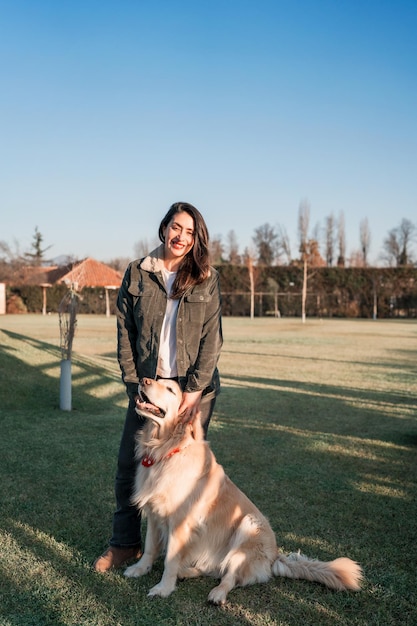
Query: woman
169 326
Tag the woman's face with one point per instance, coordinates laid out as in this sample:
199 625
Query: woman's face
179 236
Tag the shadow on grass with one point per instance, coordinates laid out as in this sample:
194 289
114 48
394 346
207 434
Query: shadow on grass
363 411
410 355
333 468
57 499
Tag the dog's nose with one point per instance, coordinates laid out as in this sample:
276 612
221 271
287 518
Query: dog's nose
146 381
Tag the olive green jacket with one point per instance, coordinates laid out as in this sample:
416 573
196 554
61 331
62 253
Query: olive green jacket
141 308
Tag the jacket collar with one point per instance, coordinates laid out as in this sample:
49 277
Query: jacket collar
154 262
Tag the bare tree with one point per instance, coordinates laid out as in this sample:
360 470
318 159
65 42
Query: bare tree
330 239
407 233
397 246
303 226
391 248
233 248
365 239
10 260
284 244
67 324
216 250
6 253
309 250
303 223
341 240
249 259
266 242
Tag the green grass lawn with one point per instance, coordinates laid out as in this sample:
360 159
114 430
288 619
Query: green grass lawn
316 422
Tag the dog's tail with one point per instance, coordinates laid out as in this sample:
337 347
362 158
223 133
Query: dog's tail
340 574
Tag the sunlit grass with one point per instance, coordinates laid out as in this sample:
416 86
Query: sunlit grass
316 423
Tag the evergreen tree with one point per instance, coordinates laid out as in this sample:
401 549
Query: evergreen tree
37 254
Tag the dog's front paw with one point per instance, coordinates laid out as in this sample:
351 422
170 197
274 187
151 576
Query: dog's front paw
217 595
160 590
137 569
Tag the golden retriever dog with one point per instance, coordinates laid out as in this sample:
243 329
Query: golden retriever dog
195 514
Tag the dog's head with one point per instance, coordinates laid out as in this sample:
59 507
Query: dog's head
159 400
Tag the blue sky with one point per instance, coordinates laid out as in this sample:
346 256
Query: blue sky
112 110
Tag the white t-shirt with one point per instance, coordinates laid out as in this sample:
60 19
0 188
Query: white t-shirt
167 356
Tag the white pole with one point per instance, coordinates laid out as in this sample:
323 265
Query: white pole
65 403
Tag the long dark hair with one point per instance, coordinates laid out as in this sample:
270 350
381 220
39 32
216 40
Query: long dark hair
195 267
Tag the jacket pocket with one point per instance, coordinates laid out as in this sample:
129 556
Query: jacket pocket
195 307
142 303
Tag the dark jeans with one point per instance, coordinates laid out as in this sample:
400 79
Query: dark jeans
127 518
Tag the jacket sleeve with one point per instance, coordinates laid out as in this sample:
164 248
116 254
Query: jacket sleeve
211 342
127 335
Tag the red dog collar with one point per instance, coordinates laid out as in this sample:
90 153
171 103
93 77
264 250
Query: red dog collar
147 461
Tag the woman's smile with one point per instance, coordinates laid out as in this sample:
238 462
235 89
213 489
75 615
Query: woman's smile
179 238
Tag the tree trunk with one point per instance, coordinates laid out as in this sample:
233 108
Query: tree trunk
304 293
252 289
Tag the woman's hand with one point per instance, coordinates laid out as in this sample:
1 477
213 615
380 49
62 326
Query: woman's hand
190 405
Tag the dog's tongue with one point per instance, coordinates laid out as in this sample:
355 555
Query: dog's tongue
144 402
148 406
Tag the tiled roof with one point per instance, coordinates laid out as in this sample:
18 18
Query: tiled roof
87 273
91 273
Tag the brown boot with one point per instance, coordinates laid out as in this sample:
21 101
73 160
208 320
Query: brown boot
114 557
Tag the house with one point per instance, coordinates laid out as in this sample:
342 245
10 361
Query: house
92 273
86 273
